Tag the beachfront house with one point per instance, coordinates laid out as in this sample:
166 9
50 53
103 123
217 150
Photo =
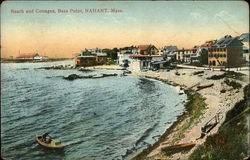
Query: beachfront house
148 58
195 56
90 58
123 57
226 52
187 56
145 62
85 60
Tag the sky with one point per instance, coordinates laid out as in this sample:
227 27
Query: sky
161 23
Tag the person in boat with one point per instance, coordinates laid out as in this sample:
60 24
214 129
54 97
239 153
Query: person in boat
46 138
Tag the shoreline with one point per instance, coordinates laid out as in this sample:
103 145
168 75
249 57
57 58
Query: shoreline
194 131
189 92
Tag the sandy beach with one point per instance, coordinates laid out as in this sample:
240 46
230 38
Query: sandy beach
216 102
108 67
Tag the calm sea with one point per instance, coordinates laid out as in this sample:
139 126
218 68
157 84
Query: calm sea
107 118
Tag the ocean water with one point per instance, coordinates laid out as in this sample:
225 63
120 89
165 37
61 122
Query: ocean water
106 118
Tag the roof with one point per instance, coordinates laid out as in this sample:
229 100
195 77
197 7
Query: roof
244 37
170 48
207 44
139 55
144 47
195 47
26 56
227 40
125 52
101 54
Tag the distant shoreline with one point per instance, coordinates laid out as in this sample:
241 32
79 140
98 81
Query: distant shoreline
32 60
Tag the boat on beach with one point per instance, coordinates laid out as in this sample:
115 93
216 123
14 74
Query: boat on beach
179 147
53 144
204 86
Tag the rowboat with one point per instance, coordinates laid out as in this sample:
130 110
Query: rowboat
53 144
204 86
178 147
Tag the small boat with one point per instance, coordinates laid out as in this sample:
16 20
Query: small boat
178 147
53 144
204 86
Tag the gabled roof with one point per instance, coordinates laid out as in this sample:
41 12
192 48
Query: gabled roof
170 48
228 40
145 47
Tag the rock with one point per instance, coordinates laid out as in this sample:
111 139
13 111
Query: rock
107 75
72 77
85 70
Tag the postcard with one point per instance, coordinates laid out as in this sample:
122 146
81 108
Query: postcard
121 80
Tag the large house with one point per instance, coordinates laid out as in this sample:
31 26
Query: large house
186 55
147 58
90 58
226 52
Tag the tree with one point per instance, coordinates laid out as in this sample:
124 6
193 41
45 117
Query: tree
204 56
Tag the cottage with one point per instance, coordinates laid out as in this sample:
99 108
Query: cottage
147 50
143 62
147 57
85 61
90 58
226 52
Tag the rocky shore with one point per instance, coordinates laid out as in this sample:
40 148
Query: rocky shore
226 91
75 76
